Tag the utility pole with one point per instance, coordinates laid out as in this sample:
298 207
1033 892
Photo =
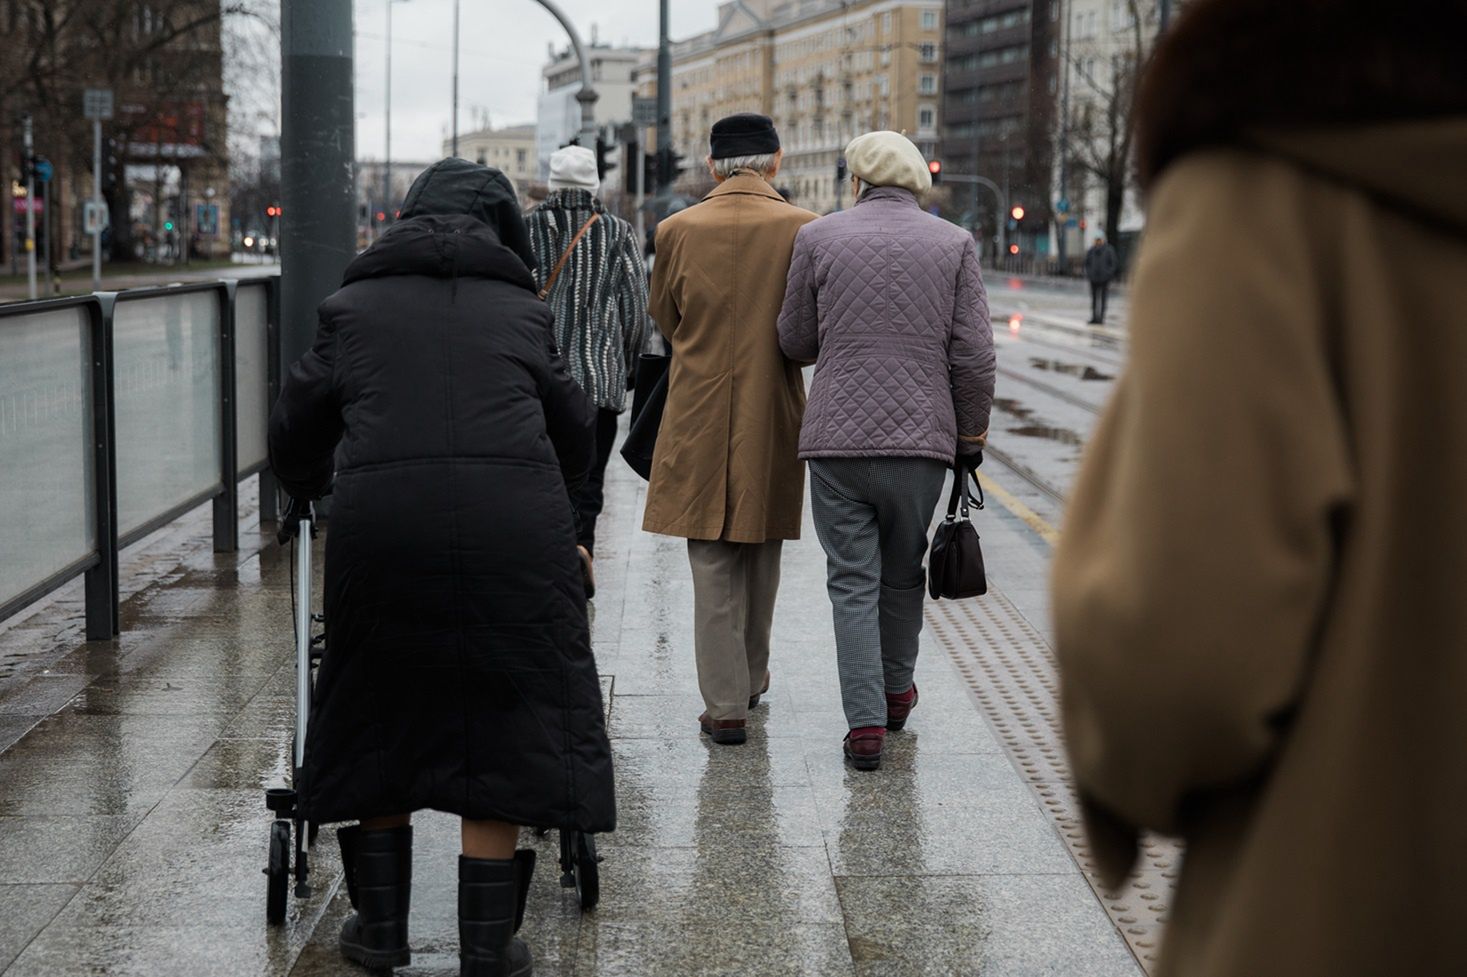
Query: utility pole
1062 241
387 147
664 100
455 76
317 152
30 203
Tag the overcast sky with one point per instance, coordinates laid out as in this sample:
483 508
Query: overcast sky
503 46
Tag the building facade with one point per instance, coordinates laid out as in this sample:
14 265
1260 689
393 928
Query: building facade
511 150
824 70
559 117
1001 92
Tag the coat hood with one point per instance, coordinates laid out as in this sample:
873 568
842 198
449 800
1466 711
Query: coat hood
440 247
1376 102
455 186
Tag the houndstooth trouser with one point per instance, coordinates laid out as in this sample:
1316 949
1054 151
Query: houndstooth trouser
872 515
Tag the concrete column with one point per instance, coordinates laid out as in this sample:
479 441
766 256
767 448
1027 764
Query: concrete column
318 226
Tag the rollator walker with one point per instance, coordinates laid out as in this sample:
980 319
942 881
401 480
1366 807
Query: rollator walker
579 863
298 525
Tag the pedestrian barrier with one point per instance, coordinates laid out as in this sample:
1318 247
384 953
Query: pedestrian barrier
119 413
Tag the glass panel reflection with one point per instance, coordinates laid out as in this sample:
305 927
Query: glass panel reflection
46 491
166 374
251 379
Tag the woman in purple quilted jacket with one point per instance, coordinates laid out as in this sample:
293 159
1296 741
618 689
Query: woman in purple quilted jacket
888 303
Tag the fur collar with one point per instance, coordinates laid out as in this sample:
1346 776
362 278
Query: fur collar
1231 67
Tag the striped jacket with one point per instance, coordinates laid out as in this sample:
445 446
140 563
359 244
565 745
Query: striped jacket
600 298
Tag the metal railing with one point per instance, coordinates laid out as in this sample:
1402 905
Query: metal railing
119 413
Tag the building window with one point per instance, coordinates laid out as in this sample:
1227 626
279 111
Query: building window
886 23
926 117
520 156
929 20
929 53
927 85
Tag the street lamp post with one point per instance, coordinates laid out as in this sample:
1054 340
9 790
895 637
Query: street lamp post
455 76
387 151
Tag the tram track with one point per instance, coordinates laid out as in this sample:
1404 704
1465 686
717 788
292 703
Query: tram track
1049 389
1026 473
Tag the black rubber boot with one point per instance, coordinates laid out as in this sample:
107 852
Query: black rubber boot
379 882
491 906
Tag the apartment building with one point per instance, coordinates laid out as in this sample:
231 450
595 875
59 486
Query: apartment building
511 150
824 70
559 117
1001 93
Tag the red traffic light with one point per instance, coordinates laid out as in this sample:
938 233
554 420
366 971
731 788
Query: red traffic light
1017 213
381 216
934 166
273 210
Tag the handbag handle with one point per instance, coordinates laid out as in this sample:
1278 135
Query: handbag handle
560 265
960 497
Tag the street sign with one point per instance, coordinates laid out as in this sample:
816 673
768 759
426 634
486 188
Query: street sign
97 103
95 216
44 170
1063 206
644 111
206 219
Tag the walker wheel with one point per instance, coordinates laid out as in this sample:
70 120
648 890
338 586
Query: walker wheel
277 873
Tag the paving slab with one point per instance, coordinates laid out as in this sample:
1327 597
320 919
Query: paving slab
132 828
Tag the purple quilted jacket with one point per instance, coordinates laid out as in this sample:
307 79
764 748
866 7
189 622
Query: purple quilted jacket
888 303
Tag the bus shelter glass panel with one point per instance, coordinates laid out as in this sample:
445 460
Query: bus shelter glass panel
251 376
166 397
47 495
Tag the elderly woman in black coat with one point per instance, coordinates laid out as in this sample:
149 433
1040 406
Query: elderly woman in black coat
458 674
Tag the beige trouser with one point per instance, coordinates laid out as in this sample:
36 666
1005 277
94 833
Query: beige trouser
734 585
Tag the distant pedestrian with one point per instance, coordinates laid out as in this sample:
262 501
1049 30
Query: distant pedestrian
1102 264
599 297
725 473
888 302
458 673
1258 593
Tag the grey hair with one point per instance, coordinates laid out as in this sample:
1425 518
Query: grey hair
762 164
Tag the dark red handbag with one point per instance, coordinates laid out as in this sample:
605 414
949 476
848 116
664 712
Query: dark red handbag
955 563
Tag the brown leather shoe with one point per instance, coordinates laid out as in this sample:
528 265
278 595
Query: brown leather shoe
754 699
725 732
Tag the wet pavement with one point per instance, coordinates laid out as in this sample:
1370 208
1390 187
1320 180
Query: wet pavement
133 832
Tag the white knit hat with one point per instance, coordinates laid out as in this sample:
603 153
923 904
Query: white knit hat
573 168
888 159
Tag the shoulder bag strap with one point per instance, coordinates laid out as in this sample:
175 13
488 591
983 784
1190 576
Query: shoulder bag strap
560 265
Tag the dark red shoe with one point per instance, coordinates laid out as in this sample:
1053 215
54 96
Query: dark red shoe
899 707
725 732
863 747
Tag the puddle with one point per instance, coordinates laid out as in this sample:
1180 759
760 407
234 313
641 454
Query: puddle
1013 408
1059 435
1081 370
1044 432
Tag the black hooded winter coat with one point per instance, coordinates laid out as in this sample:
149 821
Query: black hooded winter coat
458 673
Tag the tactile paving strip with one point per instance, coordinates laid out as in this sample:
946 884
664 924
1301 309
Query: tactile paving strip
1011 671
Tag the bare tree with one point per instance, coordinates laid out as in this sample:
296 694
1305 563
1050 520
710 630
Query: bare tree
163 59
1104 71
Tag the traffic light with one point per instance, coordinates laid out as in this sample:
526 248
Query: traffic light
934 166
1017 213
840 169
273 210
603 165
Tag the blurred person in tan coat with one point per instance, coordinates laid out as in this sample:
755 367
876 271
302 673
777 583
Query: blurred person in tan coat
725 474
1260 617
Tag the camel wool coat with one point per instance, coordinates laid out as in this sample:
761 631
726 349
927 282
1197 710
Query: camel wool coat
726 464
1260 621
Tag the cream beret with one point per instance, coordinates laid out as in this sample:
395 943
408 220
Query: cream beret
888 159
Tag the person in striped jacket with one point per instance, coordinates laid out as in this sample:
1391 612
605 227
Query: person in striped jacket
589 270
